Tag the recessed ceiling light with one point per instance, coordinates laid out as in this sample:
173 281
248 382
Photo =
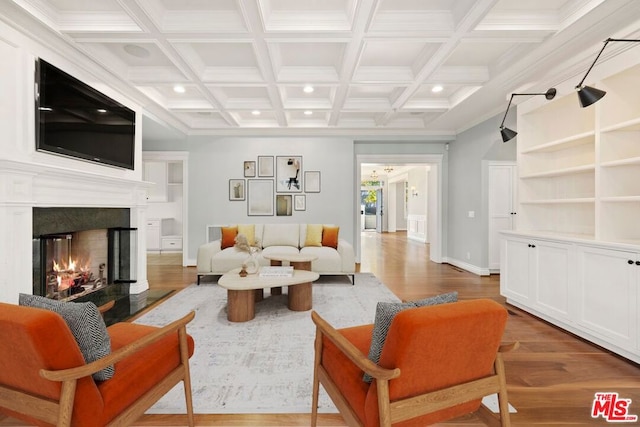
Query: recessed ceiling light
255 112
179 89
308 113
436 89
308 89
101 110
45 108
137 51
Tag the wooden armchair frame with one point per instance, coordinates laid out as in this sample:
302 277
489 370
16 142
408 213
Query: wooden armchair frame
401 410
60 412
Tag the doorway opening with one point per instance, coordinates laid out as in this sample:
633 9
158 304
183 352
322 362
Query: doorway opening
388 201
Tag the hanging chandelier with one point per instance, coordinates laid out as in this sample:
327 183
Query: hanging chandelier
374 175
388 169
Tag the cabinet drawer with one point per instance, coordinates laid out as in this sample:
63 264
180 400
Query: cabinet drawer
153 223
171 243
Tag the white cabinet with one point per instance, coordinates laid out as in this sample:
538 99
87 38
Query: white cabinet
536 273
582 286
160 236
156 172
608 294
516 272
153 234
502 207
167 205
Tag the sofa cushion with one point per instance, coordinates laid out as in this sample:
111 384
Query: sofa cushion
228 237
313 235
86 325
386 311
330 236
280 235
249 230
230 258
273 250
328 261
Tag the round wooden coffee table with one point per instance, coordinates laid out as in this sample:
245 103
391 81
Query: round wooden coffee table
242 292
297 261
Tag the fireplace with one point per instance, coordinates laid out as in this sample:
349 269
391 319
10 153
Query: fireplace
82 251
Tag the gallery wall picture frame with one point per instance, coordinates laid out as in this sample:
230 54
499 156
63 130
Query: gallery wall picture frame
312 182
260 196
265 166
300 202
284 205
250 169
288 174
236 189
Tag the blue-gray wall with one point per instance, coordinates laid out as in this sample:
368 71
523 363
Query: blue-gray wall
215 160
468 189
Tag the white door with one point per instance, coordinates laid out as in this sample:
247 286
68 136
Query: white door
502 207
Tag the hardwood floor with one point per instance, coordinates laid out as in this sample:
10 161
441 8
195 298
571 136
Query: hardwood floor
552 377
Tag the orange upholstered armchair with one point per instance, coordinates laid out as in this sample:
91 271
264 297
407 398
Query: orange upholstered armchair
44 379
437 363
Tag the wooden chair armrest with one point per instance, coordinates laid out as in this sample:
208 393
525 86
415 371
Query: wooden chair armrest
106 307
352 352
505 348
116 356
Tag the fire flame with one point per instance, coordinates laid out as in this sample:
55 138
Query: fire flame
67 273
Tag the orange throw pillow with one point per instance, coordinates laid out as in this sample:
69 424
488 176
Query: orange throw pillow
228 237
330 236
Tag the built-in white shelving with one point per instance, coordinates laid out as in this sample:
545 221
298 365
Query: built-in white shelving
574 258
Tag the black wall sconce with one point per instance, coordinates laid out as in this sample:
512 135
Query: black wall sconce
589 95
508 134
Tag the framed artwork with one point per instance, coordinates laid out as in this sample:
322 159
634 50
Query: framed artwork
300 202
236 189
283 205
312 181
265 166
260 197
250 169
289 174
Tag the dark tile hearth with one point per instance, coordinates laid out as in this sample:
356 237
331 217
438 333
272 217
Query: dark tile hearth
126 306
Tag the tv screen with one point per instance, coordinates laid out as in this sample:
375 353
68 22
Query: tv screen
75 120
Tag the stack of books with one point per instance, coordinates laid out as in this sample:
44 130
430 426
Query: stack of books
276 271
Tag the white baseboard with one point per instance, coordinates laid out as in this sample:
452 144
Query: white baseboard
468 267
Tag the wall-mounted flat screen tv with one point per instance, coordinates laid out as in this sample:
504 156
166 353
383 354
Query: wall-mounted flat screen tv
73 119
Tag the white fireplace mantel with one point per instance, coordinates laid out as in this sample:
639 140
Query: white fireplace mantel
25 185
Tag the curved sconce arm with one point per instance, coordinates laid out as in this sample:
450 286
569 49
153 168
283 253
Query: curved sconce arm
508 134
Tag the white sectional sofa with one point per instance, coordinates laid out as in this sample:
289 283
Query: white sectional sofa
277 239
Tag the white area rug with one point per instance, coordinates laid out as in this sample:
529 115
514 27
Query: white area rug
264 365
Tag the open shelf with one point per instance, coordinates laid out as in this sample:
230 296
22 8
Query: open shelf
559 201
560 144
561 172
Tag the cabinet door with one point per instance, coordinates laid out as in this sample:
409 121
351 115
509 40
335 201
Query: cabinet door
153 235
502 196
516 273
608 294
156 172
553 274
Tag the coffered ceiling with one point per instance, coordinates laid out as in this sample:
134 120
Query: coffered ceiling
397 67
